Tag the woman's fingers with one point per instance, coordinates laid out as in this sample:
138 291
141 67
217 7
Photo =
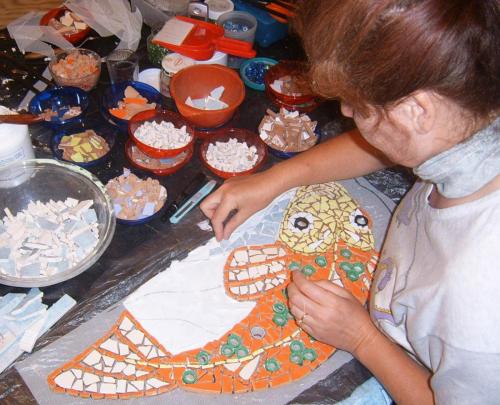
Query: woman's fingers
234 221
209 205
334 288
300 303
225 206
319 292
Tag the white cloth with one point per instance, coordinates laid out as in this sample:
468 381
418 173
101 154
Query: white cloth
436 293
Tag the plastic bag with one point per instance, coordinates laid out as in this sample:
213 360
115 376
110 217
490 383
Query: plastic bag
110 17
30 36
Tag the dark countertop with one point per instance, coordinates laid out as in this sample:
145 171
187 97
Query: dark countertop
137 253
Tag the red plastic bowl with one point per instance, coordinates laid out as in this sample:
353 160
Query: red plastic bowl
160 172
289 68
58 12
198 81
158 116
242 135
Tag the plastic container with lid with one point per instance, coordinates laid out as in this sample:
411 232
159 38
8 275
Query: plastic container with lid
170 65
15 145
238 25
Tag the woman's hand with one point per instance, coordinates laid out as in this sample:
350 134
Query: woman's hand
235 201
330 313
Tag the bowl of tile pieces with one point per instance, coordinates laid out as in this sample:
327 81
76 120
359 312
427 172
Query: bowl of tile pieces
136 200
84 143
56 221
288 132
161 133
233 152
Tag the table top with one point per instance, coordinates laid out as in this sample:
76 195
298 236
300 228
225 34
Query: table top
138 253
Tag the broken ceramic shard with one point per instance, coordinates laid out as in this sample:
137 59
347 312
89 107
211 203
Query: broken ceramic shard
211 102
47 238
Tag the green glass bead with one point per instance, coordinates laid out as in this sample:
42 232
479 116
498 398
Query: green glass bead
346 253
321 261
227 350
280 319
280 308
294 266
347 267
203 357
358 267
308 270
352 275
296 346
297 358
310 354
272 365
233 340
189 377
241 352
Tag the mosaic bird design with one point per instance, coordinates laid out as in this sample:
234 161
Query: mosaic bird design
257 344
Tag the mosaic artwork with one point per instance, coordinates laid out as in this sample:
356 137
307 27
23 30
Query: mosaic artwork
218 321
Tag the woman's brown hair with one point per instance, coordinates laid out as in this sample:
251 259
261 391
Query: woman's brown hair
376 52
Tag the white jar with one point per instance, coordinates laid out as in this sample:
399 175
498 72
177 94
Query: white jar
15 145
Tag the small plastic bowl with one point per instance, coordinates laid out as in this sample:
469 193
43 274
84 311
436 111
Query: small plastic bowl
157 166
133 222
58 98
158 116
197 82
106 131
242 135
303 102
245 74
58 12
115 93
86 82
49 179
286 155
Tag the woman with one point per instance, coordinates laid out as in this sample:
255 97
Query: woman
421 81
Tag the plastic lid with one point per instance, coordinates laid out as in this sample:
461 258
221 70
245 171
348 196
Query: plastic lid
174 62
218 7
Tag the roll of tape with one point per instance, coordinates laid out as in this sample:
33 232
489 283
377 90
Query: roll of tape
218 7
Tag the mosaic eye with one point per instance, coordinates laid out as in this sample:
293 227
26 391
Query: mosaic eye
301 222
359 220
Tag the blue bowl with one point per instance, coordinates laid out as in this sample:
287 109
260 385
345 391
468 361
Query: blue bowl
286 155
59 99
115 93
108 132
249 79
133 222
144 220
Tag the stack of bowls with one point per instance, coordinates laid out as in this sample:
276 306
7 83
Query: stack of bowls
152 159
304 102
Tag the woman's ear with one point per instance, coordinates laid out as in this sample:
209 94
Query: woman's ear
418 111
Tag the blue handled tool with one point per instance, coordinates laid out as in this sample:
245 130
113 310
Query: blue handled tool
193 201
